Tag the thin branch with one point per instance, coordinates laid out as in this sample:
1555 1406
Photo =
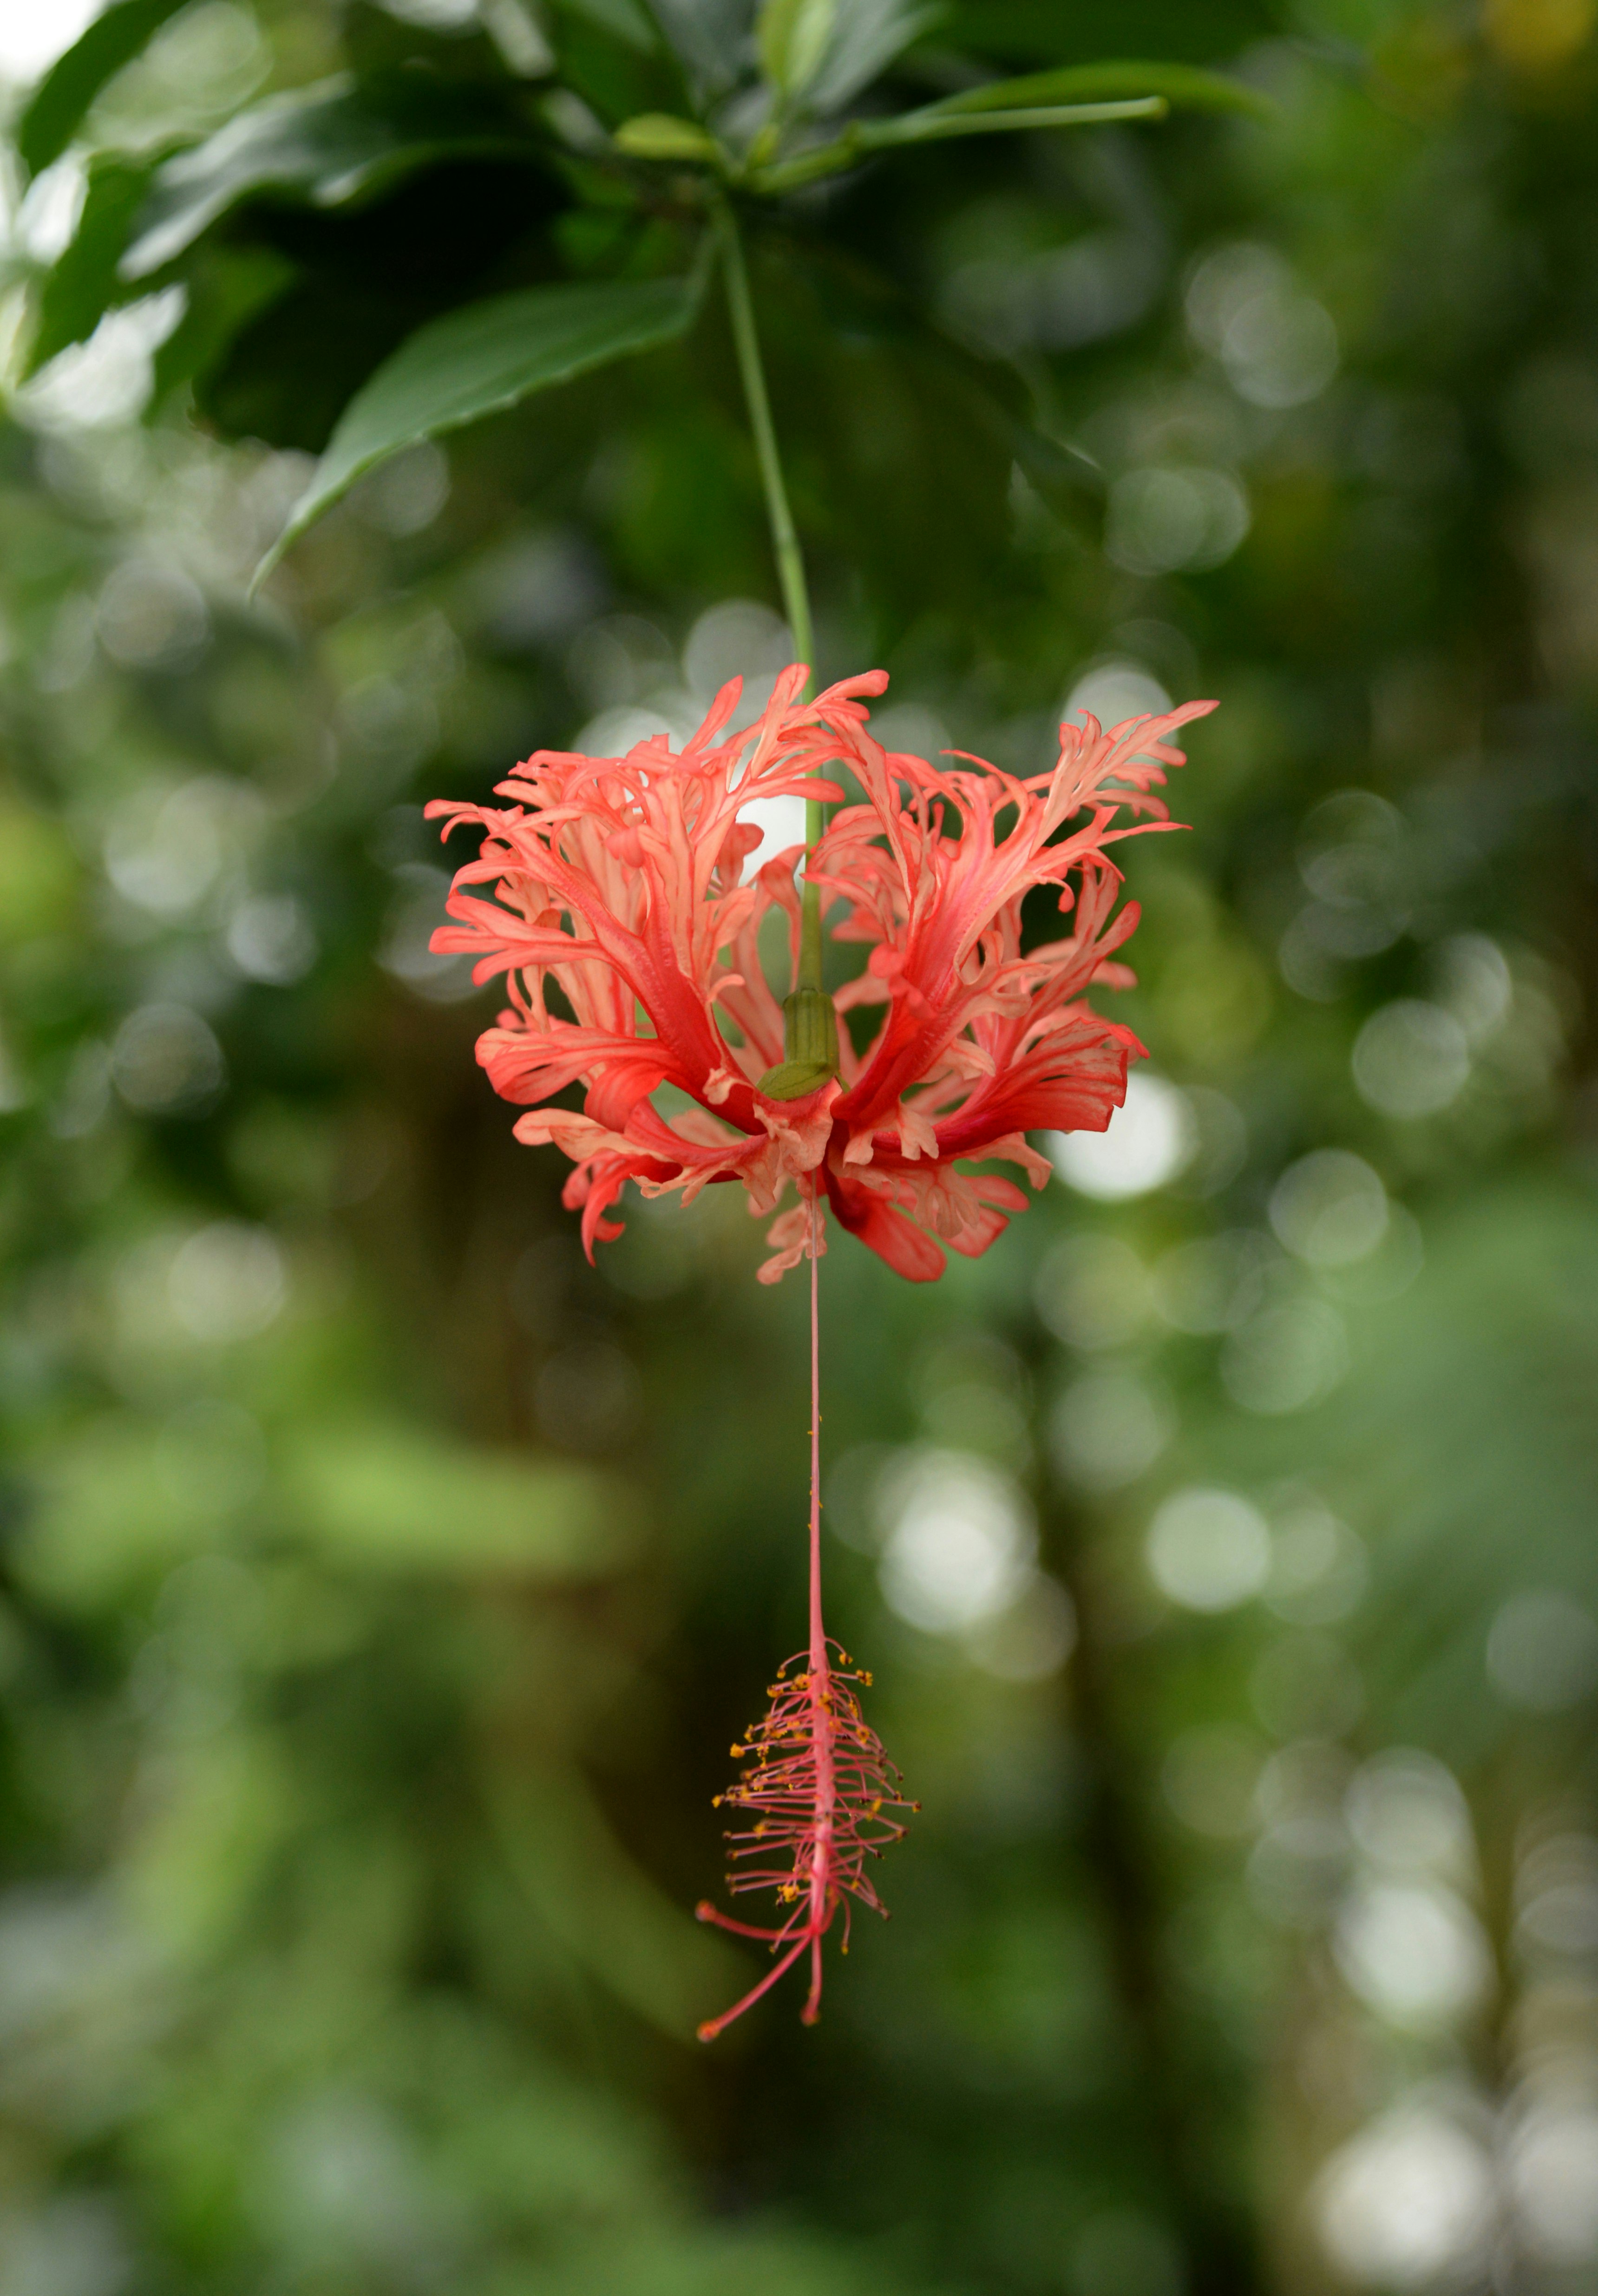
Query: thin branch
935 125
785 544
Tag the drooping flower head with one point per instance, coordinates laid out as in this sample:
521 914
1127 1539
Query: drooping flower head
609 894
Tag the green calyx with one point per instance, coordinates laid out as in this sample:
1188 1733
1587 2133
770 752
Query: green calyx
810 1020
810 1040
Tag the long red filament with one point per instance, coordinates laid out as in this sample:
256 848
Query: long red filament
819 1784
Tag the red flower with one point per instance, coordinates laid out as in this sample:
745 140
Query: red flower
618 879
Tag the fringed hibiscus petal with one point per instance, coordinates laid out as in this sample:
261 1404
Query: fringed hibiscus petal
620 881
907 1249
788 1236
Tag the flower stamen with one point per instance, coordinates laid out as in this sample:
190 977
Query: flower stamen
818 1782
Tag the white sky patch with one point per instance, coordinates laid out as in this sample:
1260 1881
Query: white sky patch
34 32
780 821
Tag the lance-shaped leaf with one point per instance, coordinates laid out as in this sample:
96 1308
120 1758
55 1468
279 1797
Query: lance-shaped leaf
1186 85
329 146
935 123
84 282
57 105
866 36
1029 34
794 36
481 360
707 36
622 20
1076 95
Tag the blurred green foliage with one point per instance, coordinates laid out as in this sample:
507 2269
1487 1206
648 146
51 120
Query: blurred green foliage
383 1585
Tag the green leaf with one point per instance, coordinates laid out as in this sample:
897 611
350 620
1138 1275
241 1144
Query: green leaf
623 20
481 360
707 37
1039 32
391 1498
1180 84
72 84
660 135
84 282
328 145
611 57
793 37
937 124
1077 95
867 37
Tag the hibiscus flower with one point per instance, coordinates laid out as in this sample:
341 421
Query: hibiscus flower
609 893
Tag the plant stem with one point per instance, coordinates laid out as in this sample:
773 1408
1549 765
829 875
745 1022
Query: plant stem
818 1632
785 537
788 566
785 546
795 598
863 136
822 1897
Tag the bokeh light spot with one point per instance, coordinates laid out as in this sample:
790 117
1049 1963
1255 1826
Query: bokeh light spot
1149 1141
1208 1549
